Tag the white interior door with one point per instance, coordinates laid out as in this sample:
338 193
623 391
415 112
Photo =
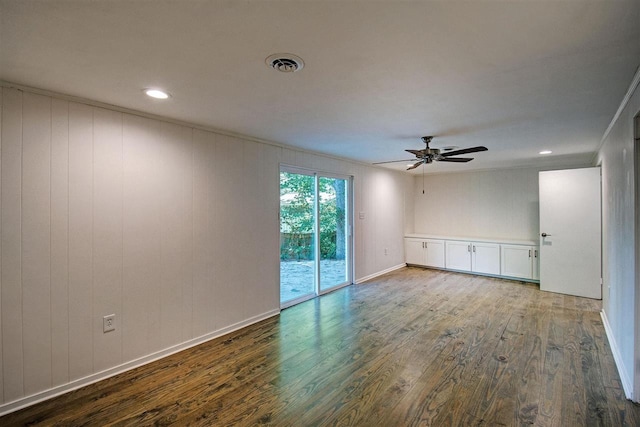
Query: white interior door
570 243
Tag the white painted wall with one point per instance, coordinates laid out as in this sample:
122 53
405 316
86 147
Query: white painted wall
500 204
618 227
172 228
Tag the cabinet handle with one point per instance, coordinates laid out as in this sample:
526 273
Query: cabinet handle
529 253
474 248
535 253
469 248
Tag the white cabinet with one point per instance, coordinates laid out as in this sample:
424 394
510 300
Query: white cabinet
478 257
427 252
485 258
520 261
458 255
506 258
435 253
535 274
414 252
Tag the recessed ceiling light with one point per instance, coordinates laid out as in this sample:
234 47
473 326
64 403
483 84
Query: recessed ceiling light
156 93
546 152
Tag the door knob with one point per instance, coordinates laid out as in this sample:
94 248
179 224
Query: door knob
545 234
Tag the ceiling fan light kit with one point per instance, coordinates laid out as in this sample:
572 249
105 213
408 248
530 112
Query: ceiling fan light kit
429 155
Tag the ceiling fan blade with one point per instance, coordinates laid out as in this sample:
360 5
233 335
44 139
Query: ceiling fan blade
417 153
415 165
394 161
464 151
456 159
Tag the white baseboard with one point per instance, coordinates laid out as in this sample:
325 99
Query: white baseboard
627 384
99 376
379 273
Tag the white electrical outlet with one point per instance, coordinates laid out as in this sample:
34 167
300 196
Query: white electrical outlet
109 323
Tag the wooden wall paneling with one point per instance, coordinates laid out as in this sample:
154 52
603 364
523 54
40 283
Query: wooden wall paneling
139 208
528 198
475 194
357 223
494 204
139 230
382 213
217 207
1 369
107 236
36 242
12 356
80 240
270 208
321 163
152 145
303 160
253 219
59 242
287 156
394 224
369 222
231 238
186 242
243 262
176 229
204 313
409 204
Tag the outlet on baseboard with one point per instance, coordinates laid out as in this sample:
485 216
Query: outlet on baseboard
109 323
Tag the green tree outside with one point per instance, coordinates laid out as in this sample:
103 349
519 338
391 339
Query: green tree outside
297 217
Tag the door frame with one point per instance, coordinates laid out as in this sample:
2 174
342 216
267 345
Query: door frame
636 172
349 261
553 275
349 217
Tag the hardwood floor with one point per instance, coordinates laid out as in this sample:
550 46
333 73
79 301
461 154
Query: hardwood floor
413 347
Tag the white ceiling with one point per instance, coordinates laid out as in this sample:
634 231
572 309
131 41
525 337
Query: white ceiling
515 76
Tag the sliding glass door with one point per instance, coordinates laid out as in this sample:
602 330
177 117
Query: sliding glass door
297 237
315 238
333 226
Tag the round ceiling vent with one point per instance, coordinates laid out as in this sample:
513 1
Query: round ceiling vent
285 62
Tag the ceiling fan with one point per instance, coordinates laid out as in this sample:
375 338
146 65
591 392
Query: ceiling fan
428 155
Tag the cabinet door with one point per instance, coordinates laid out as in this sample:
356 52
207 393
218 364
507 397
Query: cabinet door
486 258
517 261
458 255
435 253
414 251
535 273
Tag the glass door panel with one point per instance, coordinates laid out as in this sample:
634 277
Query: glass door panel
297 237
333 225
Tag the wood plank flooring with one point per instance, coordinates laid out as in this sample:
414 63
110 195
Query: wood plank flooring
413 347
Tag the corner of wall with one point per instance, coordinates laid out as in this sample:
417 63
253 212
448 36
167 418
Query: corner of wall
627 384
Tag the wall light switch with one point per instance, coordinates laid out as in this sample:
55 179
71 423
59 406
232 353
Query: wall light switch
361 215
